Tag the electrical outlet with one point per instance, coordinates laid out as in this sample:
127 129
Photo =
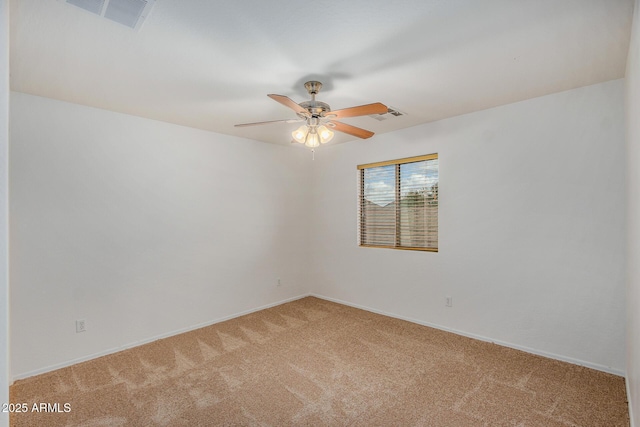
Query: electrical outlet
448 301
81 325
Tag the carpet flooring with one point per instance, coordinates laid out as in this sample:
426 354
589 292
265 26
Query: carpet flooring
312 362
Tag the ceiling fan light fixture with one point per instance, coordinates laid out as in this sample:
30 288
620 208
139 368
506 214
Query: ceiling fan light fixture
312 136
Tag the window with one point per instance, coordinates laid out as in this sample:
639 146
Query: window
398 204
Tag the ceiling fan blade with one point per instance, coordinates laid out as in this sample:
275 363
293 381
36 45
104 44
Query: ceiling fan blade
288 102
362 110
241 125
351 130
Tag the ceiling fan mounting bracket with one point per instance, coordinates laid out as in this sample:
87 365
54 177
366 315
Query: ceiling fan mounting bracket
313 87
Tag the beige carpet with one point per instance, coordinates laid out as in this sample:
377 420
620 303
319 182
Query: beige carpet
316 363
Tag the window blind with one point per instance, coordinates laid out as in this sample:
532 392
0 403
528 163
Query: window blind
398 203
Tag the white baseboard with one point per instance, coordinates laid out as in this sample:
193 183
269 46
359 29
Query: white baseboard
146 341
630 402
595 366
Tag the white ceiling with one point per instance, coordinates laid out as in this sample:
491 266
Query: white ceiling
210 64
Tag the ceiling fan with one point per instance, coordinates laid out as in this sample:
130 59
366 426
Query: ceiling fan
320 119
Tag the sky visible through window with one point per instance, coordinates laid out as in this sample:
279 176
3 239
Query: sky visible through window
379 182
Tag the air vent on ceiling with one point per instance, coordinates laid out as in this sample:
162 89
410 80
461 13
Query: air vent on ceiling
390 112
395 112
131 13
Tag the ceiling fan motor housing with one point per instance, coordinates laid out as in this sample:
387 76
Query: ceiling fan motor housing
316 108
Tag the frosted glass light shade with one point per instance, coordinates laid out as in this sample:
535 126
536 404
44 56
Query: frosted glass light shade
300 134
325 133
313 139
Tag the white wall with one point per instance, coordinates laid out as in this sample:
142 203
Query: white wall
4 208
532 229
142 228
145 228
633 219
